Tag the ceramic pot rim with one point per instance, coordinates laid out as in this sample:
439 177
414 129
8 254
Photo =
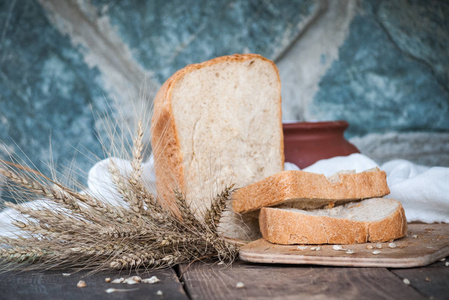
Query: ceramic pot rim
316 125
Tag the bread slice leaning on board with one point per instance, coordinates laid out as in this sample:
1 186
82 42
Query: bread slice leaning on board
371 220
214 124
307 190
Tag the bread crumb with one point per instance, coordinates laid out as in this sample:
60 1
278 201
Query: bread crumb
392 245
331 204
81 284
428 279
112 290
133 280
350 251
66 274
107 279
337 247
369 247
302 247
152 279
447 264
375 252
318 249
443 259
406 281
379 246
118 280
240 285
415 236
159 293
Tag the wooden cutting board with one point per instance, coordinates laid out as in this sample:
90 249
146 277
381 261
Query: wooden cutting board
423 245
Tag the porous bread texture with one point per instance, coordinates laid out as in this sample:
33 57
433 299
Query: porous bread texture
307 190
371 220
217 123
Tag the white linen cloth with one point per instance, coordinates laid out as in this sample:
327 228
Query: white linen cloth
423 191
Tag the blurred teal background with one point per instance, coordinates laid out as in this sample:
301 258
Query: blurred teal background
381 65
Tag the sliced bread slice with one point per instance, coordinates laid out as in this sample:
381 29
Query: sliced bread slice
371 220
217 123
307 190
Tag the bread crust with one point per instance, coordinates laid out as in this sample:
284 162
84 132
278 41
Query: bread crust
307 188
165 138
286 227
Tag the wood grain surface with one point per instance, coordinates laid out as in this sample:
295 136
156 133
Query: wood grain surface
424 244
54 285
433 281
213 281
204 281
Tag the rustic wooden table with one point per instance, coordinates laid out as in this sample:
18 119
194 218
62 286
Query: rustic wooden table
212 281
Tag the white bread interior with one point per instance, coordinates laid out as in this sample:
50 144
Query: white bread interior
369 210
225 127
228 118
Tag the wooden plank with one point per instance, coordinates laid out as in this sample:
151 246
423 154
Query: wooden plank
53 285
424 244
431 281
203 281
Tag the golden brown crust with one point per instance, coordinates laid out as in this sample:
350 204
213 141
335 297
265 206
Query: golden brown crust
166 146
286 227
165 139
288 186
391 228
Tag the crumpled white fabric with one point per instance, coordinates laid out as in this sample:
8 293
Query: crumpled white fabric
101 186
423 191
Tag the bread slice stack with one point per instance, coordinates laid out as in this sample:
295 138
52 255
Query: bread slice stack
214 124
298 207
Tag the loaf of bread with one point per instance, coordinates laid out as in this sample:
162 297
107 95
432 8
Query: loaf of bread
214 124
371 220
305 190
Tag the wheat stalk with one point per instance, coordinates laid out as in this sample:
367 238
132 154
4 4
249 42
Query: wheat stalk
86 232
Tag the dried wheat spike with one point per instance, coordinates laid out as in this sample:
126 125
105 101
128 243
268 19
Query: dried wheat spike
213 215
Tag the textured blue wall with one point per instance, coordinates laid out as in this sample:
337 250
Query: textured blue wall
165 35
392 71
46 90
391 74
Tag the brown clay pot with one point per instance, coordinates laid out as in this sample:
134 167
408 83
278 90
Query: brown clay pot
307 142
